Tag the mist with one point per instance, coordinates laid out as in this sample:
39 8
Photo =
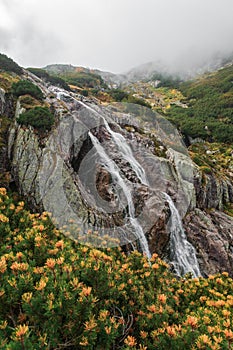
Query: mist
116 35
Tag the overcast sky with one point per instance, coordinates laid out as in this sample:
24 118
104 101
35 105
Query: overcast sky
114 35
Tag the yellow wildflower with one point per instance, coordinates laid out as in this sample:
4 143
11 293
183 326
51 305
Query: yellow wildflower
27 297
206 319
218 339
12 206
143 334
130 341
90 325
3 191
192 321
202 341
50 263
227 323
142 347
38 270
60 260
42 283
86 291
3 324
155 266
171 331
84 341
162 298
152 308
16 266
226 313
3 265
60 244
108 329
103 315
229 334
21 331
3 218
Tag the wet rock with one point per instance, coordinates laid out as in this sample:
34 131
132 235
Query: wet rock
212 235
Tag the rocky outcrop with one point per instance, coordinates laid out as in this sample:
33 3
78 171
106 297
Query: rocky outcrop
212 191
58 173
6 113
212 234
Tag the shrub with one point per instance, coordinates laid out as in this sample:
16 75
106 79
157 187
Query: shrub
28 102
118 95
41 73
209 114
25 87
84 80
84 93
7 64
58 294
206 170
39 117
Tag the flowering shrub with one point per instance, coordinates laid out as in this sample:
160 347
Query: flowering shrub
58 294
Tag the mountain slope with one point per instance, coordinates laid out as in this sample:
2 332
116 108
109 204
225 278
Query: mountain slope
210 107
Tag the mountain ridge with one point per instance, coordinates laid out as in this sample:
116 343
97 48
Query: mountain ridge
146 71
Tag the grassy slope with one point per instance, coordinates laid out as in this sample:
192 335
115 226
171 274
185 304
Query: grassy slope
210 107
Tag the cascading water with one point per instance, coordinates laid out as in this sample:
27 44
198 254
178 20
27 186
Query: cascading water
182 253
112 168
123 147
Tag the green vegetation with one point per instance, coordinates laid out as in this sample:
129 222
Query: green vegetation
25 87
210 112
58 294
54 80
122 96
84 92
6 80
166 80
228 209
118 95
84 80
39 117
28 102
8 65
213 157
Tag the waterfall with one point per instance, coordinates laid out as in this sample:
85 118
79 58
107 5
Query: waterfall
123 148
112 168
127 153
182 253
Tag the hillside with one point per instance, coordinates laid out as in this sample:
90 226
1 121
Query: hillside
106 216
201 108
56 293
210 107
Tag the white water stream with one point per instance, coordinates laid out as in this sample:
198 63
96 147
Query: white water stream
182 253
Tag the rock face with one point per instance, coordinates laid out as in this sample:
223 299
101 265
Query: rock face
212 235
6 113
212 192
58 173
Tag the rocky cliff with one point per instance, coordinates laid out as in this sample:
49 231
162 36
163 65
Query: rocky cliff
56 171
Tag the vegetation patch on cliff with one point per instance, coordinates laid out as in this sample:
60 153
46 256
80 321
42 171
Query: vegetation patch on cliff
26 87
8 65
39 117
217 157
41 73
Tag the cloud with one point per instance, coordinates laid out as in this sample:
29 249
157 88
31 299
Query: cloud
115 35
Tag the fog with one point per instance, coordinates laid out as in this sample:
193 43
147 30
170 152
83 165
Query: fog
116 35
